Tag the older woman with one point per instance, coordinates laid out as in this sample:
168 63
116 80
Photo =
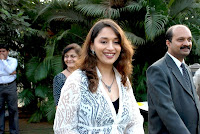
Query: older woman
98 97
70 55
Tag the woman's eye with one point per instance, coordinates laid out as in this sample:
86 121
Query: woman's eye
103 42
117 42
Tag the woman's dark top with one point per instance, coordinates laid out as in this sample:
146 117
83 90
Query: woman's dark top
58 83
116 105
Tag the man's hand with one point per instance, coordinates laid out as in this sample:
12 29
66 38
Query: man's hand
14 72
2 57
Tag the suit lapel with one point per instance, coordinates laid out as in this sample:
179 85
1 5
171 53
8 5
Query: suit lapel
176 72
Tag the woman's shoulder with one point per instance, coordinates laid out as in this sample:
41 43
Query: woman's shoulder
60 76
78 74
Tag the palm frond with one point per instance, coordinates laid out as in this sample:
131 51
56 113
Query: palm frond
50 48
62 34
196 38
31 66
41 91
139 81
41 72
154 23
36 70
159 5
98 10
39 33
179 6
132 6
54 6
130 34
135 39
51 110
67 15
78 31
56 64
26 97
197 46
36 117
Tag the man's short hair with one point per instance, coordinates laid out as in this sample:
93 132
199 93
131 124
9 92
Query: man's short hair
169 33
4 46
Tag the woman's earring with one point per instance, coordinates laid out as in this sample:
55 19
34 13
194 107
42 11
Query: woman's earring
93 52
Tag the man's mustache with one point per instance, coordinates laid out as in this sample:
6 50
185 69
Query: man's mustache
183 47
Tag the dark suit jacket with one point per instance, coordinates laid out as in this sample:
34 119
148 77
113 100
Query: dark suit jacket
173 109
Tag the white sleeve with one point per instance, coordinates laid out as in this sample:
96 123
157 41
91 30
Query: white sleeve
66 118
9 68
136 124
196 79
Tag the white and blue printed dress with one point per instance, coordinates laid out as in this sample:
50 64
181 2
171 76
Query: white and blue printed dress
81 112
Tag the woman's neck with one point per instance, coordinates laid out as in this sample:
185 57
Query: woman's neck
106 71
70 70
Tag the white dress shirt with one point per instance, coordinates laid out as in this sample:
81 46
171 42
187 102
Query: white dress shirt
6 68
81 112
177 62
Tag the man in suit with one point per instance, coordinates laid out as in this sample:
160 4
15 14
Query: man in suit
8 90
174 107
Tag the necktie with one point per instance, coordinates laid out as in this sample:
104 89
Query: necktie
186 77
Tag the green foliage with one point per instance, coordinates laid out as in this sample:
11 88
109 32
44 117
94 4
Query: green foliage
135 39
26 96
180 6
139 82
133 7
56 65
51 110
41 91
36 117
154 23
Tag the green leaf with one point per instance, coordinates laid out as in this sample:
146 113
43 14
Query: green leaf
132 7
26 97
5 12
154 23
36 117
95 10
135 39
56 64
179 6
31 66
41 72
64 33
50 48
41 91
51 110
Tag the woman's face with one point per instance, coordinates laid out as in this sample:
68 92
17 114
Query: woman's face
70 58
107 47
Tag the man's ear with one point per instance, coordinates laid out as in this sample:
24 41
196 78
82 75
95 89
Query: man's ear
168 43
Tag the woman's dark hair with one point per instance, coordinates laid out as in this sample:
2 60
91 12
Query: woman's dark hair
69 47
88 61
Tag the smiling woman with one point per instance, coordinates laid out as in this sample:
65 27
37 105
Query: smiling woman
98 97
107 47
70 55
